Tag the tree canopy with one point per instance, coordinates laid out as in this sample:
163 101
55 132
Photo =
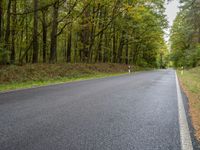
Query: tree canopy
82 31
185 35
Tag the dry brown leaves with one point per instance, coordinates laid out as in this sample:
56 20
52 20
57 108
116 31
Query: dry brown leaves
194 109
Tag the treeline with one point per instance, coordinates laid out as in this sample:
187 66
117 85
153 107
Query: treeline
185 35
83 31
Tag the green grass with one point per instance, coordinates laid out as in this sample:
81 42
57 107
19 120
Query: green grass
191 79
31 84
20 77
35 75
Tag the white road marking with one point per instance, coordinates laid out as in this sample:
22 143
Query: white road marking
186 143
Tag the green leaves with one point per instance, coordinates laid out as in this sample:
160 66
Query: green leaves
125 31
185 35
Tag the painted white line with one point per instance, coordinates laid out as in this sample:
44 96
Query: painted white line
186 143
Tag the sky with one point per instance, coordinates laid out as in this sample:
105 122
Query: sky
171 12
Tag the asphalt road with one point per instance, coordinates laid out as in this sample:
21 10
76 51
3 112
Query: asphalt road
130 112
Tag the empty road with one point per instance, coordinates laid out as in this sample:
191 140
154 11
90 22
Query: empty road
130 112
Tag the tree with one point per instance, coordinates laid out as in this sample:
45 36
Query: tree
1 17
35 32
14 23
53 49
7 34
185 35
100 31
44 34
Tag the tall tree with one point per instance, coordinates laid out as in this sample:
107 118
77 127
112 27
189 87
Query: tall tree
185 35
53 49
14 23
69 45
35 32
85 33
44 34
117 31
1 17
7 34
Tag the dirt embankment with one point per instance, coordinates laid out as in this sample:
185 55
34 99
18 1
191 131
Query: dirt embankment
40 72
190 82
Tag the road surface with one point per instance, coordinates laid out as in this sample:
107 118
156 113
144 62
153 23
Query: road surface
130 112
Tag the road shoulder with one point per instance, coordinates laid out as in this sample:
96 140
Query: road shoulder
186 142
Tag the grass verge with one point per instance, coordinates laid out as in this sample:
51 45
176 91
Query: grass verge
27 76
31 84
190 82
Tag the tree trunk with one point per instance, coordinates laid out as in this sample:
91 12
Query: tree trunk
27 38
7 34
127 56
120 49
53 49
69 46
35 32
44 35
85 34
65 48
92 35
1 17
14 22
105 51
99 49
114 45
136 52
75 49
101 26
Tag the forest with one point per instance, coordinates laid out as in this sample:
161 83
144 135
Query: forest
185 54
185 35
83 31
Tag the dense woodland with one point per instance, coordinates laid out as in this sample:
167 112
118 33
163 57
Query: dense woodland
185 35
83 31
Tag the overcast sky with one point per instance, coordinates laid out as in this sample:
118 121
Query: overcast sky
171 12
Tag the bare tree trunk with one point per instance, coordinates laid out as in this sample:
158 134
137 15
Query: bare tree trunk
7 34
27 38
75 49
35 32
127 56
114 45
101 26
121 46
92 34
136 52
44 35
99 49
65 48
1 17
53 50
85 34
69 46
105 51
14 22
